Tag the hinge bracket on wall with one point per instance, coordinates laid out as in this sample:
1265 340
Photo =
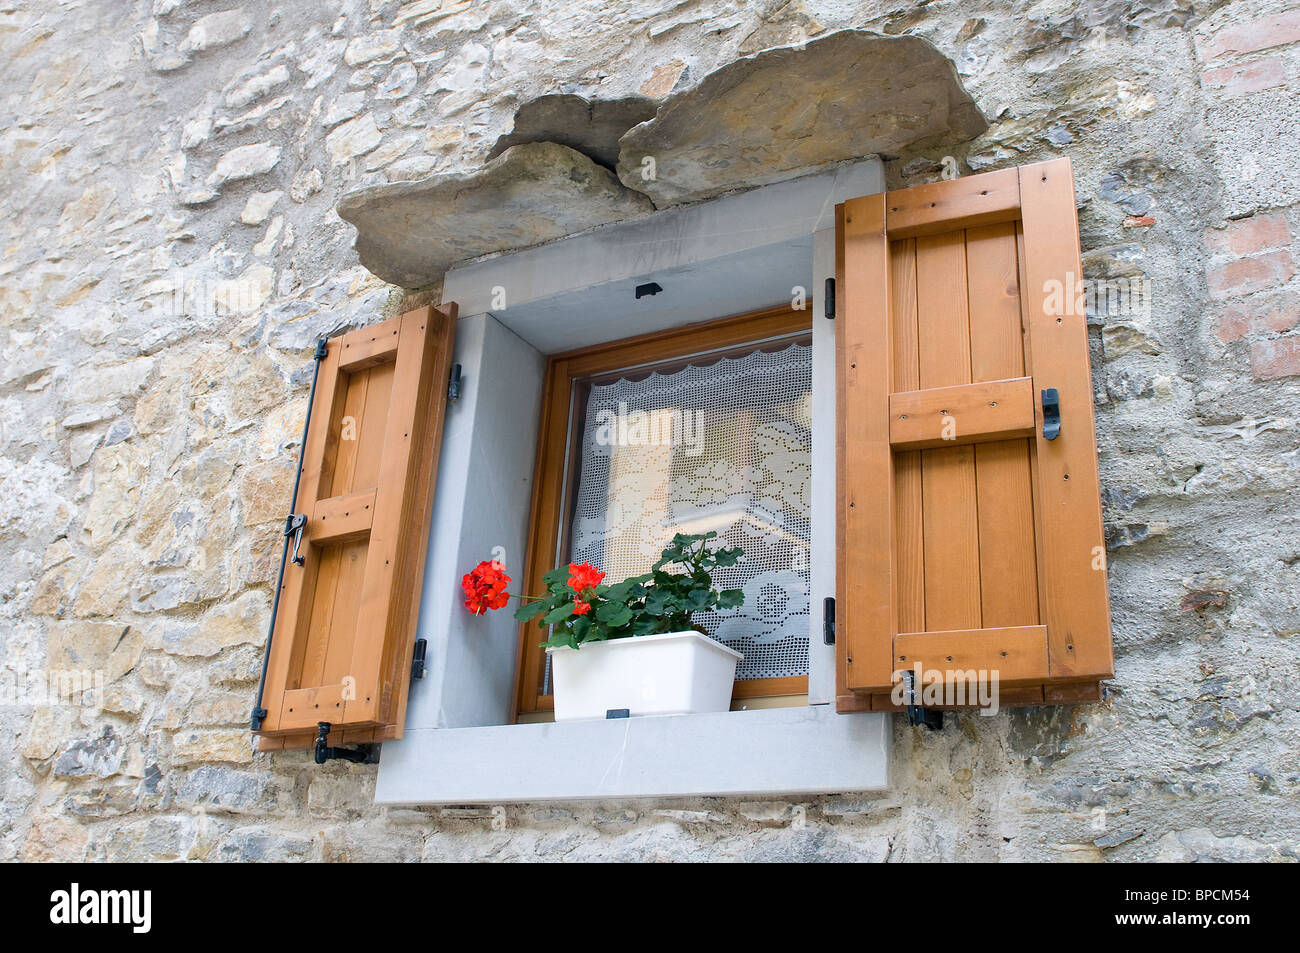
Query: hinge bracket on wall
916 714
828 306
453 384
362 754
417 659
828 620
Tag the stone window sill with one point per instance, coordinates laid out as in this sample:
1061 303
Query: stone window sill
722 754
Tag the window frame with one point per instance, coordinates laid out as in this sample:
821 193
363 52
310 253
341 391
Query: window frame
557 441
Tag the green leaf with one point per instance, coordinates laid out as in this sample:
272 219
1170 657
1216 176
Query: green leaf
660 601
560 575
561 639
532 610
699 599
727 557
559 613
731 598
614 614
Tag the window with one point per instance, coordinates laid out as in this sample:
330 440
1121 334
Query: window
955 278
703 428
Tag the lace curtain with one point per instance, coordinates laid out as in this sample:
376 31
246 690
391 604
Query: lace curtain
724 446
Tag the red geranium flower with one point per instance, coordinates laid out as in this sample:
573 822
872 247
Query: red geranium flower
583 577
485 587
580 607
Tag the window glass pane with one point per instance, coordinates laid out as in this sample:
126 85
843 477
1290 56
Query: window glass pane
719 445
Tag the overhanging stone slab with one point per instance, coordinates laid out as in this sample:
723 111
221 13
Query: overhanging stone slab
409 233
591 126
787 111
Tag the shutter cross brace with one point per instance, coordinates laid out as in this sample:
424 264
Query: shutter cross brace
294 525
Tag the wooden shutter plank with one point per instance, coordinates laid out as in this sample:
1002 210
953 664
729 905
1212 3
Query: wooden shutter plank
865 578
951 546
368 437
1078 609
352 560
997 346
321 621
1008 559
431 414
397 473
909 554
297 589
952 585
961 414
1033 454
345 452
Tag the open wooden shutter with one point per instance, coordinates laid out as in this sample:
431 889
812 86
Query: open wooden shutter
967 538
345 629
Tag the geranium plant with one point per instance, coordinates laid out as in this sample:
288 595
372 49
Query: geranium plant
581 608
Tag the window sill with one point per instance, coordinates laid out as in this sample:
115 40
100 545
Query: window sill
776 751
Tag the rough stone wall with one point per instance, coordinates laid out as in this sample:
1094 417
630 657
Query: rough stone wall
170 173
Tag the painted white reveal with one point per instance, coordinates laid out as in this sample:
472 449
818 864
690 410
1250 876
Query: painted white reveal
734 254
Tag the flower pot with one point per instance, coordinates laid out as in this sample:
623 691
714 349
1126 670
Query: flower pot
675 673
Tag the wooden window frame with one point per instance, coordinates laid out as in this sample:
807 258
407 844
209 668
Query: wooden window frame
549 508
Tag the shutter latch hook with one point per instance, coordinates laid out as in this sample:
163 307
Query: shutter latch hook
293 526
1051 413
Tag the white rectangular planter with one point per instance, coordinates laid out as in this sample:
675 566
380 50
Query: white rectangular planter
675 673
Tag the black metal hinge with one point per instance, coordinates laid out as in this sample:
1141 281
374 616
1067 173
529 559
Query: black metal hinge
362 754
417 660
828 620
828 306
453 384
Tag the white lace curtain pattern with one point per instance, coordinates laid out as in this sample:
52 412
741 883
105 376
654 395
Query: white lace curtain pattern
725 446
